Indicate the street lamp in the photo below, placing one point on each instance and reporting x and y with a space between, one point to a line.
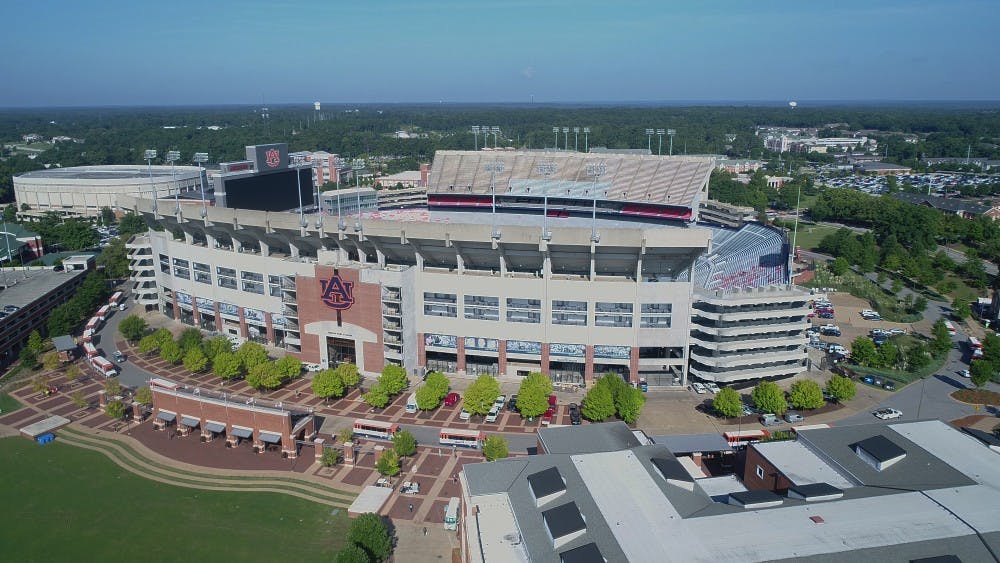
174 156
358 165
595 170
659 134
495 130
201 158
566 140
586 139
149 155
576 139
475 134
493 168
297 160
546 169
649 143
671 133
556 131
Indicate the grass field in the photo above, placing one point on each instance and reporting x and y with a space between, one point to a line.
810 235
8 403
62 503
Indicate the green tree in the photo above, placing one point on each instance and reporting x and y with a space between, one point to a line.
79 399
73 373
439 382
226 365
213 346
768 397
806 394
598 404
29 360
264 376
115 410
920 304
189 339
981 372
40 382
327 383
330 457
863 352
960 309
917 356
376 397
345 434
349 374
112 387
132 328
842 388
144 396
195 360
251 355
352 553
393 379
495 447
171 352
427 398
404 443
533 395
941 341
481 394
840 266
50 360
114 259
10 213
888 355
369 532
629 404
131 224
149 344
107 216
162 336
728 403
35 342
388 463
289 367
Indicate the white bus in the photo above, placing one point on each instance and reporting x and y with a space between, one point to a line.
90 349
116 299
375 429
950 327
411 404
975 343
104 366
103 313
451 514
462 438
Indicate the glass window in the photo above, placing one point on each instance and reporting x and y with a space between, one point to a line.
613 307
228 283
225 271
181 263
577 306
523 316
202 277
182 273
199 267
253 287
440 310
482 313
440 297
517 303
252 276
482 300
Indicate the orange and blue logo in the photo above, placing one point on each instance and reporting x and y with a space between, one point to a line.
337 294
272 158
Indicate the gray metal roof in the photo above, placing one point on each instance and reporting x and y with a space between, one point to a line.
953 205
801 465
64 343
691 443
26 286
592 438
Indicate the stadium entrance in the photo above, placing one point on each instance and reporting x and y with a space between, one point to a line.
340 350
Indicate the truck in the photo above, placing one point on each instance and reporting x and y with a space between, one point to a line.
104 366
769 419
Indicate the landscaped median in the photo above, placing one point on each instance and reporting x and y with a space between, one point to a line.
977 397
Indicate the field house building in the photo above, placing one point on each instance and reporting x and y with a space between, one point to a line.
567 263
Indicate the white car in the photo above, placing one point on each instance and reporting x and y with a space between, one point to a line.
464 415
698 388
500 402
313 367
493 414
888 414
712 387
965 373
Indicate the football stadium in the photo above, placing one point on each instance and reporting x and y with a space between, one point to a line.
572 264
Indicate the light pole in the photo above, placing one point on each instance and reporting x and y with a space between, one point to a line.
297 160
493 168
201 158
595 170
566 139
576 139
337 164
671 133
649 142
556 131
586 139
546 169
149 155
358 165
475 134
173 156
659 134
495 130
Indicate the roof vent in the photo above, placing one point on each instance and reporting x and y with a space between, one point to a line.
817 519
879 452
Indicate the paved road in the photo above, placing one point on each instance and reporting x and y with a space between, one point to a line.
959 257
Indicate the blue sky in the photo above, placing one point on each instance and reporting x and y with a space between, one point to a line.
220 52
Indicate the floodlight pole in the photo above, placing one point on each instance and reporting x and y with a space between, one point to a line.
586 139
475 134
576 139
297 161
340 218
659 134
566 140
199 158
649 142
358 165
546 169
150 154
556 131
173 156
671 133
494 167
495 130
595 170
795 229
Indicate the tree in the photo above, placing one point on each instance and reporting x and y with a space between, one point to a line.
960 309
144 396
79 399
35 342
427 398
349 374
941 342
226 365
768 397
345 434
251 355
29 360
728 403
369 532
439 382
107 216
330 457
376 397
40 382
495 447
352 553
388 463
10 213
840 266
327 383
598 404
888 355
480 396
50 360
981 372
195 360
863 352
917 357
171 352
393 379
149 344
533 395
114 259
162 336
115 410
806 394
112 387
213 346
841 388
132 328
189 339
131 224
629 404
264 376
73 373
404 443
289 367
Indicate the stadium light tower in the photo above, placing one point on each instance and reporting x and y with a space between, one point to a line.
649 143
297 160
566 140
556 131
337 165
201 158
174 156
149 155
671 133
493 168
596 171
586 139
358 165
475 134
659 133
495 130
546 169
576 139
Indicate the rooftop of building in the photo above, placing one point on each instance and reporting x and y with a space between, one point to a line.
26 285
869 165
17 230
947 204
111 172
605 437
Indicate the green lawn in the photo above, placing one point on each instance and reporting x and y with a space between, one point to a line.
63 503
8 403
810 235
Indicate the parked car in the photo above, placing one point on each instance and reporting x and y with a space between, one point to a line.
451 399
410 488
493 414
119 357
888 414
547 417
793 417
826 315
897 331
313 367
553 400
574 414
965 373
698 387
500 401
464 415
889 386
868 379
512 404
768 419
712 387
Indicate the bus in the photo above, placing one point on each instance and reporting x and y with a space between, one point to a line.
802 427
375 429
975 343
103 313
950 327
90 349
104 366
88 335
451 514
157 382
461 438
740 438
116 299
94 323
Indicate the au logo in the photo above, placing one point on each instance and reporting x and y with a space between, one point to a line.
272 158
337 294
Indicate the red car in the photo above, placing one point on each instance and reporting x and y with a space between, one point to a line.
451 399
547 417
552 400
